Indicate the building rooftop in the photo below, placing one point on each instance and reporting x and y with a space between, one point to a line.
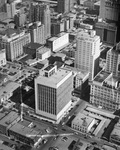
4 147
2 77
33 45
88 34
3 114
9 118
43 50
100 77
26 128
83 120
56 37
116 132
59 55
55 79
80 73
7 88
48 68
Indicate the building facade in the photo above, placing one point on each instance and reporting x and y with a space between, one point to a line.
87 52
13 41
83 123
41 12
105 91
107 32
37 31
110 10
65 6
53 92
113 60
2 57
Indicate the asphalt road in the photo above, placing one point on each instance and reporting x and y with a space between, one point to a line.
64 129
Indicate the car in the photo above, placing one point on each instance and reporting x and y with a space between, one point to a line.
64 139
64 129
44 141
76 133
56 148
51 148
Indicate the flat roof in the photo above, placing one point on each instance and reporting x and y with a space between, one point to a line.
2 77
79 119
56 78
32 45
116 132
58 54
102 113
43 50
56 37
8 87
101 76
81 73
23 128
4 147
9 118
3 114
48 68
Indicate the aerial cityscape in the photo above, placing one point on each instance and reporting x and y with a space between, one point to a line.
59 74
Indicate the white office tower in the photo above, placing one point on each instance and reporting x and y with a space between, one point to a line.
53 92
87 52
113 60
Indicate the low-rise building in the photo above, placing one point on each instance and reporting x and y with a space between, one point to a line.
5 147
31 49
105 91
7 121
7 90
26 132
58 42
43 53
115 135
83 123
2 57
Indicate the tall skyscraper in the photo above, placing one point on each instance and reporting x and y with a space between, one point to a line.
64 6
53 92
113 60
110 10
107 32
41 12
13 41
37 31
11 8
88 52
105 88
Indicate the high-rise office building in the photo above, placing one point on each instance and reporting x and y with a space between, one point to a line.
105 91
11 8
37 31
107 32
110 10
41 12
88 52
65 6
53 92
13 41
105 88
113 60
19 19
